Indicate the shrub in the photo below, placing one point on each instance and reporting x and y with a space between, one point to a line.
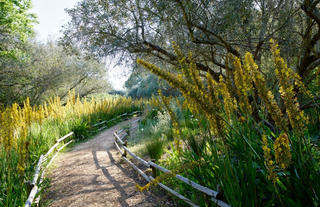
155 148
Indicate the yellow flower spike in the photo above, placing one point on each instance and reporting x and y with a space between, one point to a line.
265 94
165 176
229 105
243 86
286 77
268 160
140 188
199 96
242 119
282 151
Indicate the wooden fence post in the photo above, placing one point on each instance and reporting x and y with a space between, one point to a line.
29 186
154 170
128 132
125 151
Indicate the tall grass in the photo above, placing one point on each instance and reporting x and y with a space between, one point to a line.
155 148
27 132
153 136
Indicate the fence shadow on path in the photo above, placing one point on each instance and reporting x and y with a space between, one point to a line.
128 181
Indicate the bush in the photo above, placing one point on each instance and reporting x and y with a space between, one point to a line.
80 129
155 148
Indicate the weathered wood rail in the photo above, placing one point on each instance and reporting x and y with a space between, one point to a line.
122 148
116 118
34 184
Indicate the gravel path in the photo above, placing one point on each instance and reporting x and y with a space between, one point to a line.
92 174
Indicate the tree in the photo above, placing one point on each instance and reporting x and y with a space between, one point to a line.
49 71
144 86
15 26
210 29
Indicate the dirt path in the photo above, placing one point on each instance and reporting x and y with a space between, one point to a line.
91 175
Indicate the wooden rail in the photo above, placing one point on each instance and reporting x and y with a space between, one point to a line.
35 185
201 188
122 148
118 117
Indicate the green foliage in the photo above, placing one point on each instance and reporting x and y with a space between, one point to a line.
155 148
145 88
80 129
154 135
237 164
152 114
46 71
15 26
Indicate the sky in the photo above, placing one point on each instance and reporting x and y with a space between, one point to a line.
51 17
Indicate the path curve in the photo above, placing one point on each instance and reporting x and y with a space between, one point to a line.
91 175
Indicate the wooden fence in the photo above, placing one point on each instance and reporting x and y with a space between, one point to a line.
124 151
35 184
125 115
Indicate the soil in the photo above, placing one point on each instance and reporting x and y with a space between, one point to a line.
92 174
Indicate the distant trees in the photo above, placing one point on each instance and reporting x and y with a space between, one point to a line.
210 29
142 84
47 70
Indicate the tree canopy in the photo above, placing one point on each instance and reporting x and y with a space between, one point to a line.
209 29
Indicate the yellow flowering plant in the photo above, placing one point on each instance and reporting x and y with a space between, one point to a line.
240 106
